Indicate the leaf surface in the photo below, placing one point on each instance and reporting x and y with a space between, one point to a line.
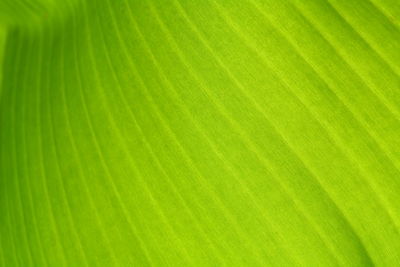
200 133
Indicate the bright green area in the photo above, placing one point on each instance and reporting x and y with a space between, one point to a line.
202 133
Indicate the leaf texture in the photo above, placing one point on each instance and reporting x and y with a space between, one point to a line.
201 133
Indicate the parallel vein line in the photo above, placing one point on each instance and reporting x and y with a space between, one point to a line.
256 50
124 146
150 149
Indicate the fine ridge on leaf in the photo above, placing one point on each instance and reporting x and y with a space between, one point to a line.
32 13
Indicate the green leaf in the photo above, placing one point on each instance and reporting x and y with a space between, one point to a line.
2 41
200 133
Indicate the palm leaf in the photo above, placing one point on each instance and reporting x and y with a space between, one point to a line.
200 133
